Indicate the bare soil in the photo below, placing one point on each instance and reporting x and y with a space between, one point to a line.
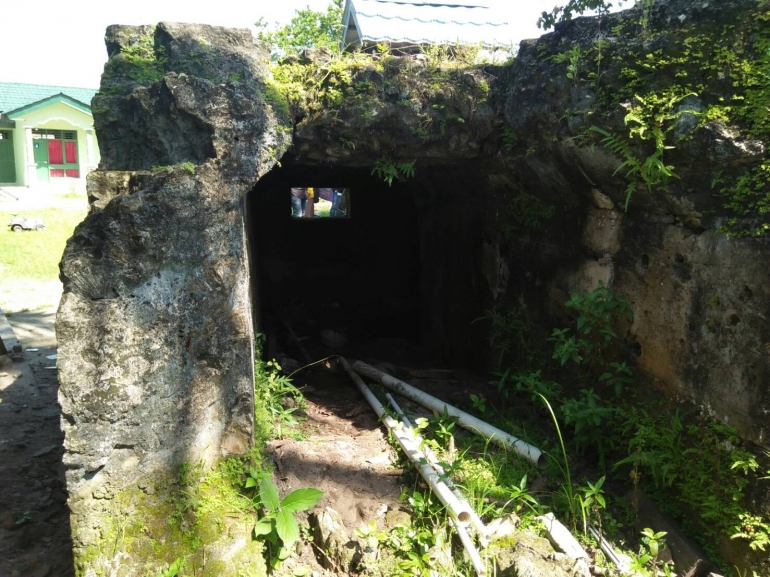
34 519
342 450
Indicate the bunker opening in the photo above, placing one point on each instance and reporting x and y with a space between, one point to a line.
393 263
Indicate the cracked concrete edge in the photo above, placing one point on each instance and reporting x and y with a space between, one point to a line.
9 344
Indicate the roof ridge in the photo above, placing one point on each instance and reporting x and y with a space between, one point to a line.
49 86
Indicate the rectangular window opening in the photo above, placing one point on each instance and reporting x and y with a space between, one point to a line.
320 203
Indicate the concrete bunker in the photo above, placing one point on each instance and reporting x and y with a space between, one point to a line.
156 327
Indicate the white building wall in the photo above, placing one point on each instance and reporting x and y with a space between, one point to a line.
56 116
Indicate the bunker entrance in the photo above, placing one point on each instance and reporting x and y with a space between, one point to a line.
394 264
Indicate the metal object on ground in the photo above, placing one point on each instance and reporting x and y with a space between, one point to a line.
19 223
522 448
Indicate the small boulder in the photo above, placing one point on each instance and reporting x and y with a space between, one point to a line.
330 534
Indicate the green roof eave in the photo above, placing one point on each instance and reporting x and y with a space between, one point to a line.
47 102
6 122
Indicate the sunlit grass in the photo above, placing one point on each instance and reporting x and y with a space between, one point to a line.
35 255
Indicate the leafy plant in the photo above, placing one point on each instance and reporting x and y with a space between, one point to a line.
647 562
753 529
479 402
388 170
598 312
520 495
276 399
572 58
307 29
587 414
277 524
173 569
507 330
561 13
618 378
566 12
592 502
650 119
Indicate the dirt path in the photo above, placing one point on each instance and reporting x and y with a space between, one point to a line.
345 454
34 519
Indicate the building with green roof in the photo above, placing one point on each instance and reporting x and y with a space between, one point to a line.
46 135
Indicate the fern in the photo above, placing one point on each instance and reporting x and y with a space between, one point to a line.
622 149
389 171
652 171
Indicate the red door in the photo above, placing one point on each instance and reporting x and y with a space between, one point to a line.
56 156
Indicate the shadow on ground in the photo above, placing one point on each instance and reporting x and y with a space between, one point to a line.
35 329
34 519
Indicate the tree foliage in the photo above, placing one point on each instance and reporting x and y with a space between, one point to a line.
572 7
308 29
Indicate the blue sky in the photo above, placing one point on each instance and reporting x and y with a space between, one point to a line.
62 43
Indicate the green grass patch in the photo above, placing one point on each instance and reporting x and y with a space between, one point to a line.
35 255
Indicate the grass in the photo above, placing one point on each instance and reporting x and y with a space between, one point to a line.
33 255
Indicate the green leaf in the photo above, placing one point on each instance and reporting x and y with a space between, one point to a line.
601 501
301 499
268 493
287 528
251 482
263 527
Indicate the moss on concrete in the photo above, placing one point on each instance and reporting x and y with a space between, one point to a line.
199 516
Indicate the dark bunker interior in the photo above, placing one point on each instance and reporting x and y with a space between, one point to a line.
403 266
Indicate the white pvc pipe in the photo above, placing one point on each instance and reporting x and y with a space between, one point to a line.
621 561
476 521
457 511
478 562
560 536
522 448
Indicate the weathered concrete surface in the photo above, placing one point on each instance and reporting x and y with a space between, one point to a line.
410 107
155 329
155 326
700 299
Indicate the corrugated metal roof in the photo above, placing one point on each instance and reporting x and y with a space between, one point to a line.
430 21
14 95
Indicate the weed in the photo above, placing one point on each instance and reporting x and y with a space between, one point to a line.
277 524
572 58
479 403
349 144
388 170
173 569
275 399
507 330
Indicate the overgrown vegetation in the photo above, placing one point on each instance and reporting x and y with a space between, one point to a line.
705 73
140 61
307 29
695 467
566 12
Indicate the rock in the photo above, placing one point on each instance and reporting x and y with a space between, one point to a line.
42 571
154 327
532 556
502 527
601 200
45 450
329 534
9 522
